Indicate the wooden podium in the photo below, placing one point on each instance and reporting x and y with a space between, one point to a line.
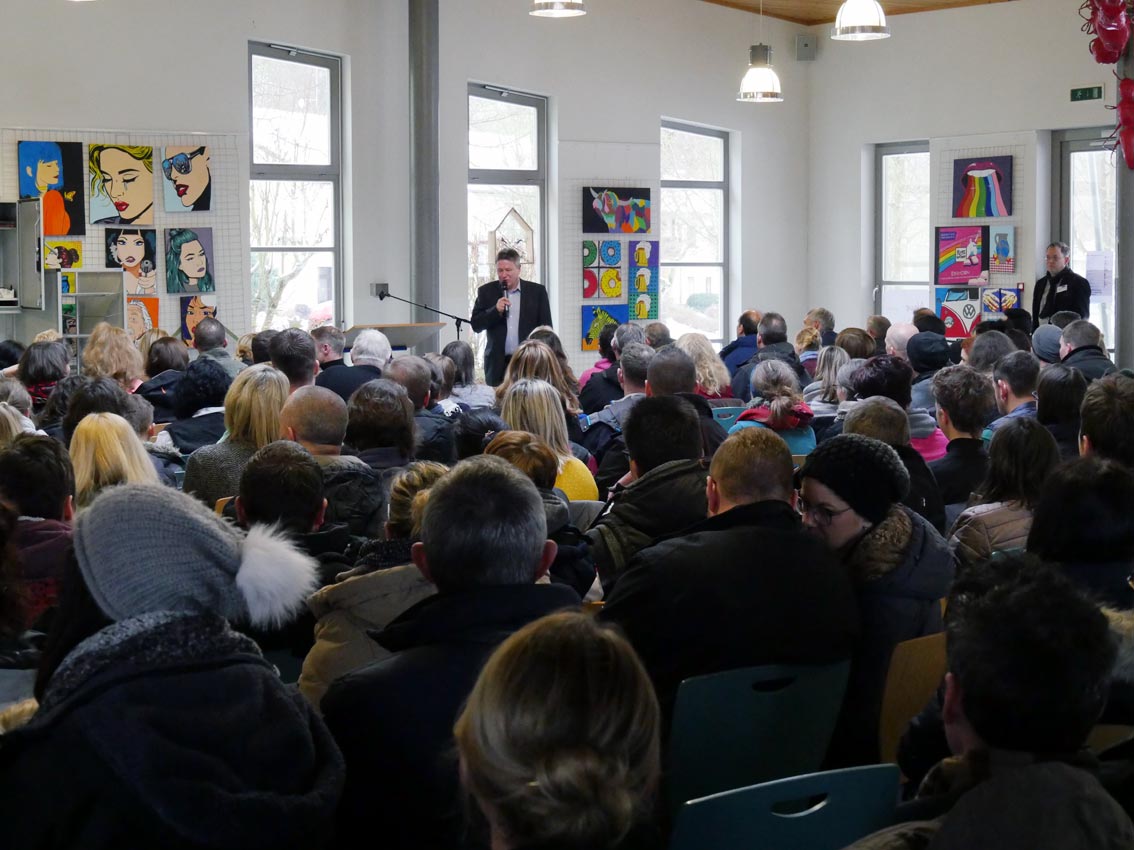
401 336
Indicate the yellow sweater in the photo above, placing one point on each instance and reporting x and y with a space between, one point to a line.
576 481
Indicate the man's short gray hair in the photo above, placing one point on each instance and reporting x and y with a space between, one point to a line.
372 348
635 362
484 525
626 334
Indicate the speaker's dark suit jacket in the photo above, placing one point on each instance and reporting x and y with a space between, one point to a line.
535 310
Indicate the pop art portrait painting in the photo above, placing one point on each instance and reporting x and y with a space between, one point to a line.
193 309
133 250
122 184
53 172
188 184
189 260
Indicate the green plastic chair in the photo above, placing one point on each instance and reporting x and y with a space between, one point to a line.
726 416
852 804
756 724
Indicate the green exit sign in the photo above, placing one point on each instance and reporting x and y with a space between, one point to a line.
1086 93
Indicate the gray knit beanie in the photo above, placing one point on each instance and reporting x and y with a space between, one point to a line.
1045 343
145 547
865 473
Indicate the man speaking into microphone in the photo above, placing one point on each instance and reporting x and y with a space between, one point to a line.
509 309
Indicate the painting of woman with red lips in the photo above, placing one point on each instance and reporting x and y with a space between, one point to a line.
122 184
188 185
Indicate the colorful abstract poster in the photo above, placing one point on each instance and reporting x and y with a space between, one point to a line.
122 184
189 260
997 299
66 282
644 278
1002 246
616 210
598 316
982 188
961 254
188 183
193 308
141 315
53 172
959 308
62 254
602 269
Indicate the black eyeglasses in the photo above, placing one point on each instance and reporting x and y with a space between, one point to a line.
182 162
820 515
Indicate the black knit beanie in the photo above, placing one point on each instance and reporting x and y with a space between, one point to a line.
865 473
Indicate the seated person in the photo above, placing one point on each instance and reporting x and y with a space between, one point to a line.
778 404
602 427
1028 661
293 353
1014 378
382 584
1107 419
503 737
282 486
483 544
198 408
475 430
380 426
964 400
573 564
663 492
316 418
1059 400
794 604
881 418
434 429
166 362
36 479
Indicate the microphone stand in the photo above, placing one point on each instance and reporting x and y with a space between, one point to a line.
382 296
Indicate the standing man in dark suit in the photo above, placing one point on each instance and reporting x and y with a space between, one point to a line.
509 309
1060 288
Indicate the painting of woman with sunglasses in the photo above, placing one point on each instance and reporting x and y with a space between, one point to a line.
188 184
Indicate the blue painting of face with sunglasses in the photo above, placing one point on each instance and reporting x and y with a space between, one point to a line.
188 185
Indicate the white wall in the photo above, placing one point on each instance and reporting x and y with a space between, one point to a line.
612 76
979 70
183 66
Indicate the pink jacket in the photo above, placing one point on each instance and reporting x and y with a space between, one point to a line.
601 366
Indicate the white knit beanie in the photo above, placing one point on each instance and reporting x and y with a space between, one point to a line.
147 547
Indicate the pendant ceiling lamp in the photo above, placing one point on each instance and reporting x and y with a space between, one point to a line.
558 8
860 20
760 84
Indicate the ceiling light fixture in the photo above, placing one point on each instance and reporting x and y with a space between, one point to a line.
558 8
860 20
760 84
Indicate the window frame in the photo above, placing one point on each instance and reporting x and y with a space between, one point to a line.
289 173
881 151
721 185
517 177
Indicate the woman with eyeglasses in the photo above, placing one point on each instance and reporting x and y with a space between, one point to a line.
187 170
850 497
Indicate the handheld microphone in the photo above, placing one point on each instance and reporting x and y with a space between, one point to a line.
504 294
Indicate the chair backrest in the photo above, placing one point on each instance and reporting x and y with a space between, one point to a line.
726 416
751 725
221 503
798 460
916 670
855 803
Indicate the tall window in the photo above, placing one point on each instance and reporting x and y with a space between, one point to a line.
507 189
694 230
295 197
1087 199
902 230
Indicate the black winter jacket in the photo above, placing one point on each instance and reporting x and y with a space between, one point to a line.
169 730
785 351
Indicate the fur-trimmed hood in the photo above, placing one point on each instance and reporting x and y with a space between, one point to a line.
902 555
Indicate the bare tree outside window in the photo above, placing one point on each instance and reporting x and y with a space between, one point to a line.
294 191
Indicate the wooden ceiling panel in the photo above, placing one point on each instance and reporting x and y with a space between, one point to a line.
811 12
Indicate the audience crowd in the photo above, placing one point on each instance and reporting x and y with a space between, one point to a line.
305 594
